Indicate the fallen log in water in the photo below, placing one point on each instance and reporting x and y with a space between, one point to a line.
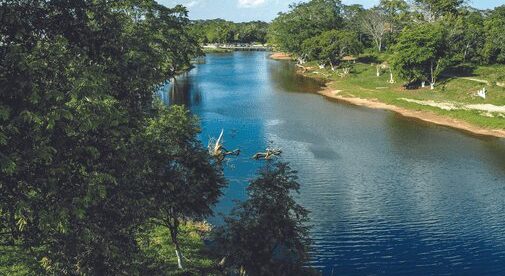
218 151
269 154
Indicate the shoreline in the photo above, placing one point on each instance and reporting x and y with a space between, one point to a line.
280 56
424 116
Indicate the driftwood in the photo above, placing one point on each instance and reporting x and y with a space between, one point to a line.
269 154
218 151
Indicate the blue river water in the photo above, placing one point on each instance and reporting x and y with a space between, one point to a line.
387 195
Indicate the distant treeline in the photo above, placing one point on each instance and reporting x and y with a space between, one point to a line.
222 31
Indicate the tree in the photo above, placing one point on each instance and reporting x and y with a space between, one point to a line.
331 46
78 80
399 17
376 24
421 54
351 14
250 32
466 35
432 10
494 47
268 233
304 20
184 183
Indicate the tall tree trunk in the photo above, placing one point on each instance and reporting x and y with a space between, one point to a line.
432 84
174 231
179 255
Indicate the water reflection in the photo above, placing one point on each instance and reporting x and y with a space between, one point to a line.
282 78
387 195
181 90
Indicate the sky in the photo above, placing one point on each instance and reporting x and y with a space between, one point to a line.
266 10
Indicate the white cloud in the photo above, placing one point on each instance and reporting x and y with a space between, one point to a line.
192 3
250 3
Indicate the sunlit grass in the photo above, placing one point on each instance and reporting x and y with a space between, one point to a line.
364 83
157 246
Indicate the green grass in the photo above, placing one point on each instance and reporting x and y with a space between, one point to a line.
364 83
157 246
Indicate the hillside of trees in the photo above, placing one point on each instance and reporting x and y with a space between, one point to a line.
418 39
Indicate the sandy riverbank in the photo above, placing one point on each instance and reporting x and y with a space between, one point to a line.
421 115
281 56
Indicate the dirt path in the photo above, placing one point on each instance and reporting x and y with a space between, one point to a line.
490 108
476 80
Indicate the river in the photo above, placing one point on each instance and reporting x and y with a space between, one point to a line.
387 195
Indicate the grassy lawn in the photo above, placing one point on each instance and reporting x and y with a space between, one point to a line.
454 88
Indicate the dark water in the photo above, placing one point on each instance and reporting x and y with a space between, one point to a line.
387 195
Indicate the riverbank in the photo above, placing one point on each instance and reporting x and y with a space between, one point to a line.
452 104
281 56
420 115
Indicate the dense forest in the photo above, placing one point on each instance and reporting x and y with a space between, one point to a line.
98 177
223 32
418 39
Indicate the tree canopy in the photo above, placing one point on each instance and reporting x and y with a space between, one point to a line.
268 233
494 46
222 31
420 54
331 46
303 21
419 38
78 129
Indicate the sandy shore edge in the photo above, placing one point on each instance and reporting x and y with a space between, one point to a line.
281 56
421 115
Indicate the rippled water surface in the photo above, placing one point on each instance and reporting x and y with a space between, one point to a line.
387 195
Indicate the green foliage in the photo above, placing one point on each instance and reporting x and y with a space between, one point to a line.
221 31
156 244
494 47
433 10
421 53
471 35
465 36
304 20
182 181
268 233
331 46
79 171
